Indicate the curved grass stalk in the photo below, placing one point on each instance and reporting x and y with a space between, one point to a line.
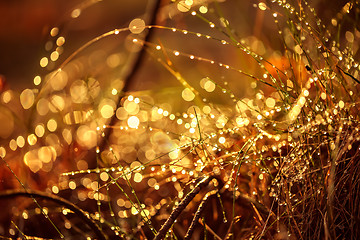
61 201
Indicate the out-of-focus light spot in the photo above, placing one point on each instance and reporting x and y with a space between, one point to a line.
189 2
182 6
120 202
54 56
39 130
137 25
270 102
127 204
121 113
37 80
86 136
72 185
298 49
114 91
203 81
52 125
44 62
160 111
334 22
295 111
221 121
107 111
32 139
207 109
76 13
104 176
60 41
49 45
32 161
59 80
133 122
7 96
302 101
27 98
323 96
67 135
114 60
138 177
203 9
79 91
134 211
94 86
2 152
54 31
131 107
151 182
277 137
7 122
262 6
209 86
46 154
82 165
222 140
55 189
20 141
13 145
341 104
174 154
135 166
259 96
188 95
349 36
57 103
42 107
241 122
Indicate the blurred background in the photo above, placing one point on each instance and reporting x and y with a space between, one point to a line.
25 27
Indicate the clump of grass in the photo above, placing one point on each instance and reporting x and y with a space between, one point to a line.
259 141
